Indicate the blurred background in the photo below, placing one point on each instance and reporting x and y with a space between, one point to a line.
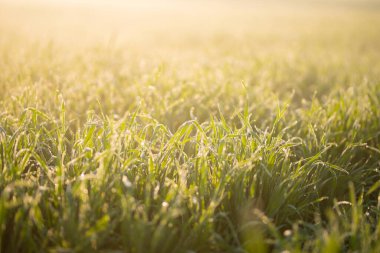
185 54
177 22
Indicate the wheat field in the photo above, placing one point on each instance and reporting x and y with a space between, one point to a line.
189 126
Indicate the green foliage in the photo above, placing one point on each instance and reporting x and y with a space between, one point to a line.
271 152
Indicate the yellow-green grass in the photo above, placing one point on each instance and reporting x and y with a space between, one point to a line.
190 127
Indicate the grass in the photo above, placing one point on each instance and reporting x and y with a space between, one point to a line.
230 138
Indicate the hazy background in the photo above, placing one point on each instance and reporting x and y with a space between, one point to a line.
198 49
175 22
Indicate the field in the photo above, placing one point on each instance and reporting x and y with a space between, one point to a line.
178 126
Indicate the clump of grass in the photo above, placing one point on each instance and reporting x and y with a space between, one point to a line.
234 151
134 184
